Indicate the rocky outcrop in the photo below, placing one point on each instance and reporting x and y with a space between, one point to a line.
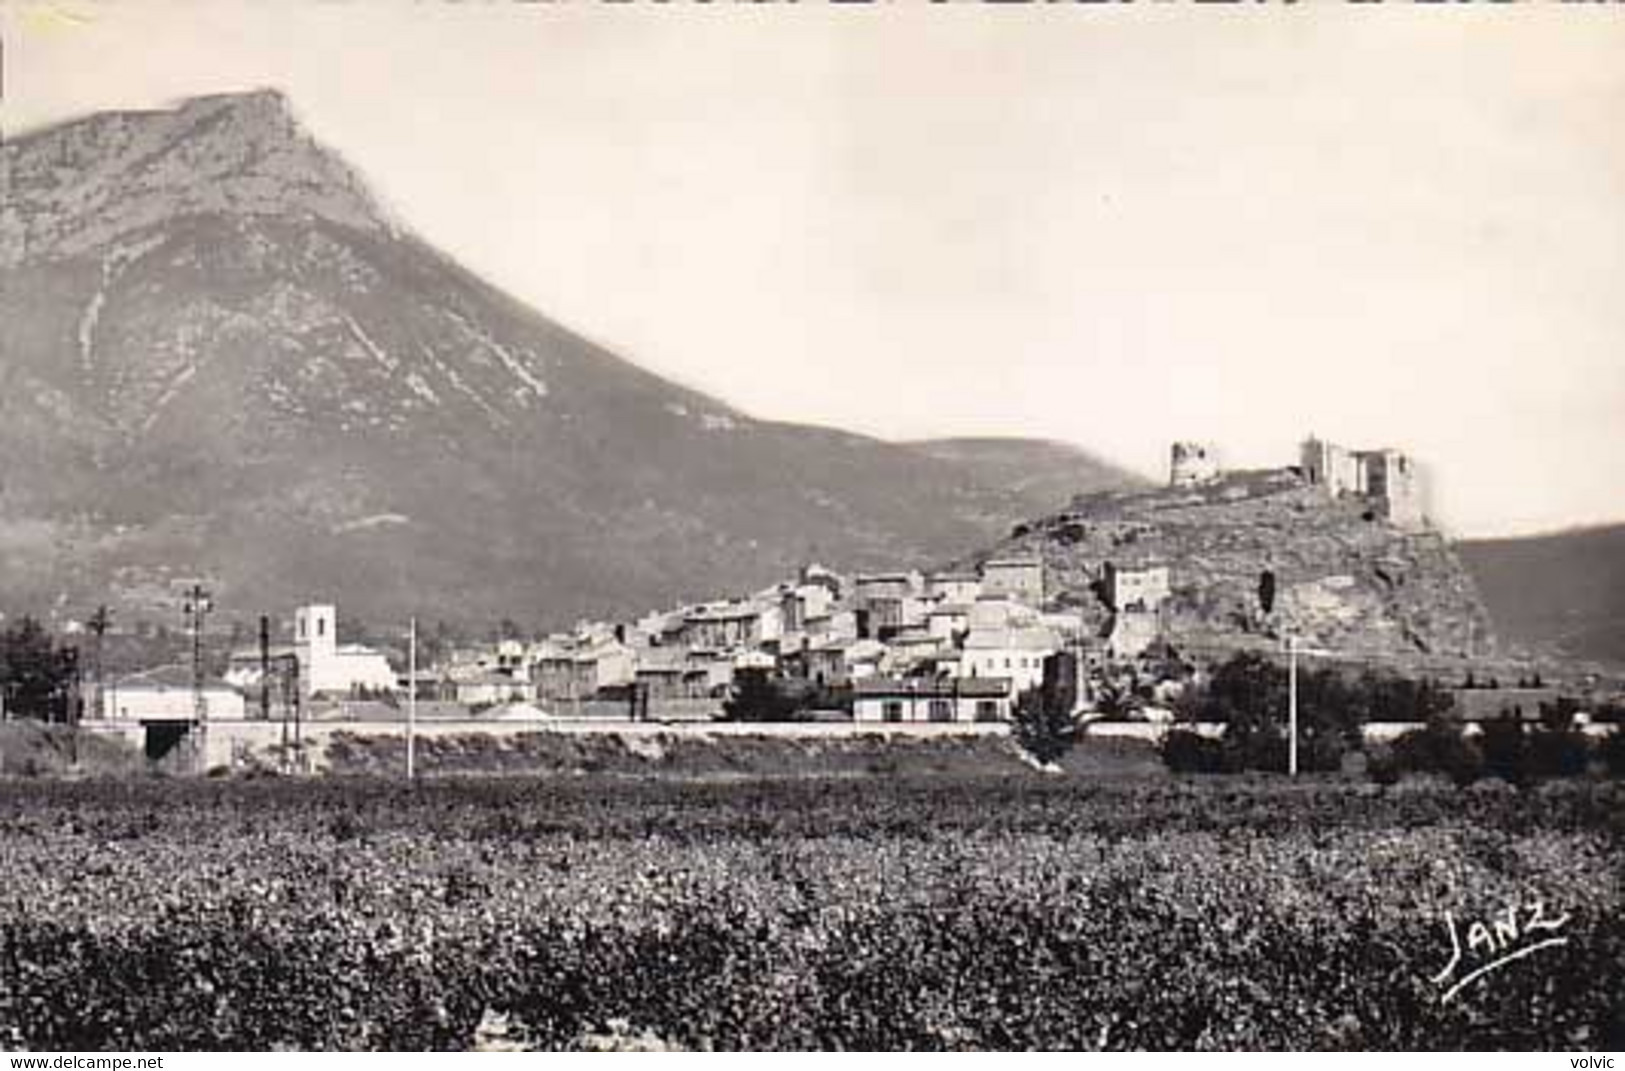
80 187
1345 579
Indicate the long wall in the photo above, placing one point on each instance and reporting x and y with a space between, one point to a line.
229 743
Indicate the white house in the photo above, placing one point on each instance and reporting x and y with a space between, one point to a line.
996 612
953 587
838 661
723 626
1021 579
1141 588
948 620
166 694
491 689
577 667
923 699
1016 654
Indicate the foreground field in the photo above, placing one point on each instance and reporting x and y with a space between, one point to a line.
854 913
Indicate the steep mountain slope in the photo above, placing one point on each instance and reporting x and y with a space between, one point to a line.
1344 580
218 357
1038 469
1562 593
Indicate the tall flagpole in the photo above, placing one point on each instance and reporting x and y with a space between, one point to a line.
411 696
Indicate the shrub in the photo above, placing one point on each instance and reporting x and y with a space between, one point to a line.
1557 753
1248 693
760 697
1505 745
1187 751
1440 747
1381 765
1612 750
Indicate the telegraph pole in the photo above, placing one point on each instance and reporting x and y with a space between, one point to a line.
1293 650
1292 706
265 668
287 685
298 698
411 696
196 609
99 623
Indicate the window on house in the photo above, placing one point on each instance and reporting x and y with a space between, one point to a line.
321 626
891 710
942 710
987 710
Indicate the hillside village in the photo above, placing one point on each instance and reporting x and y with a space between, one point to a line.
954 645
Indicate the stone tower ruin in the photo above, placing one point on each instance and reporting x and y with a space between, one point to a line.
1191 464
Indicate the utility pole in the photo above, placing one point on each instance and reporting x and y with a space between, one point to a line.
265 667
298 699
1293 650
98 624
1292 706
75 700
196 609
411 698
287 685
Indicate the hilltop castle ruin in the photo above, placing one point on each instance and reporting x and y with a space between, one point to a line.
1192 464
1386 479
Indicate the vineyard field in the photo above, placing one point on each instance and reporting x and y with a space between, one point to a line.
999 912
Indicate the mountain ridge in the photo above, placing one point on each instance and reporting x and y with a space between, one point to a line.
220 357
1559 593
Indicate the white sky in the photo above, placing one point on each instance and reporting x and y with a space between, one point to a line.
1116 226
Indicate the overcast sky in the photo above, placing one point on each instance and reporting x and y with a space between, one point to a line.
1115 226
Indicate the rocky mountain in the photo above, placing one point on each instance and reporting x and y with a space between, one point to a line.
1345 579
220 358
1039 469
1561 594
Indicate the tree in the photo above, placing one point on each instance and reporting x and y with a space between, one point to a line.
1266 591
1392 698
1504 742
759 696
1044 725
1557 747
1248 696
437 644
1441 746
37 676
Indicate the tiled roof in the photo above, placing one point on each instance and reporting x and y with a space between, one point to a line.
731 612
933 688
1012 639
168 678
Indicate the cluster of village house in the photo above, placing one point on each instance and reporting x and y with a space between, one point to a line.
908 646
